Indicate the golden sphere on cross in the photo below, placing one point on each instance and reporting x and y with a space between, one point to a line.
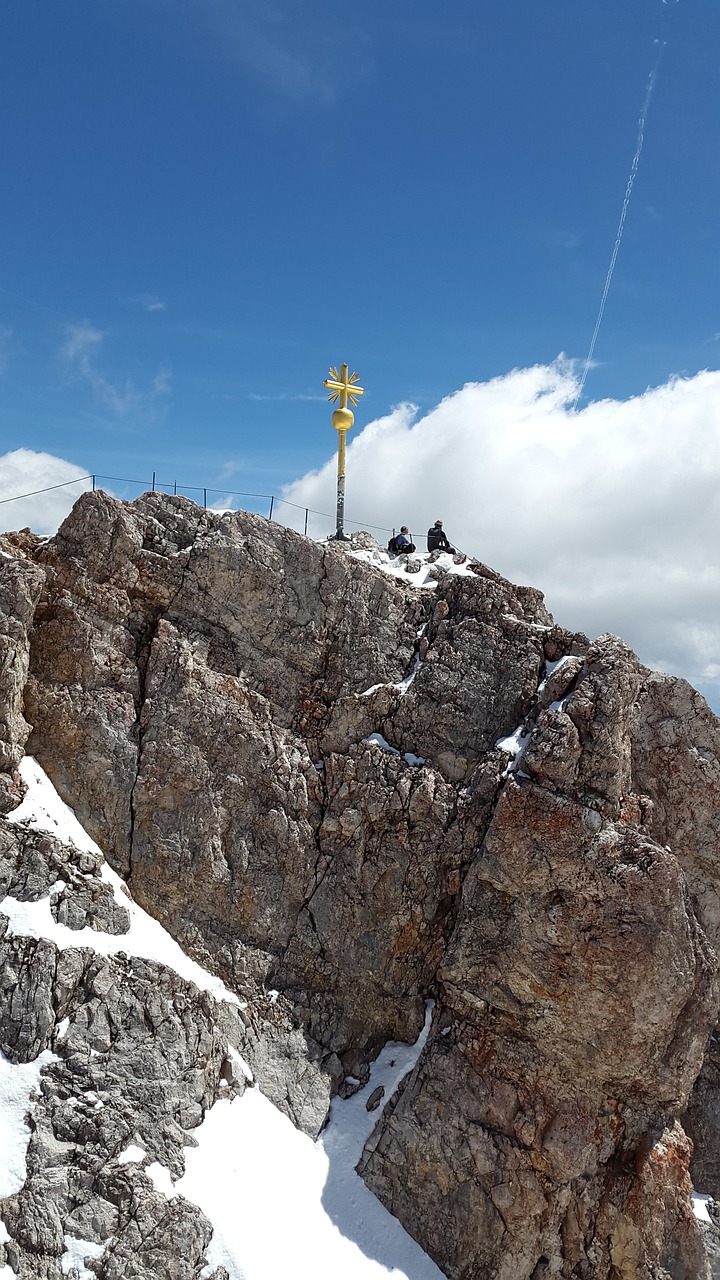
343 387
343 419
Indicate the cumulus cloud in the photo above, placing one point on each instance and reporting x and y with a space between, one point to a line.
612 511
151 303
79 354
24 472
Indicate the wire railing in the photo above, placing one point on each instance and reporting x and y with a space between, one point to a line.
159 486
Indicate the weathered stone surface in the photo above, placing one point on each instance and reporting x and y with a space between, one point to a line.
20 584
702 1123
711 1235
140 1055
578 991
293 758
211 679
676 763
563 1045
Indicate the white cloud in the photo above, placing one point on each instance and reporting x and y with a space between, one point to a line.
79 352
148 301
161 383
296 55
612 511
24 472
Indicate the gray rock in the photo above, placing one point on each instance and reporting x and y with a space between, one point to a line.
140 1056
20 585
207 691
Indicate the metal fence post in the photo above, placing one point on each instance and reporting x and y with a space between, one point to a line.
306 520
272 503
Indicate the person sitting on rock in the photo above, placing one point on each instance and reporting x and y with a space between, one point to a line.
401 545
436 539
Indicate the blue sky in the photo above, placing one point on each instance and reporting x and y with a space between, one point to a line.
207 202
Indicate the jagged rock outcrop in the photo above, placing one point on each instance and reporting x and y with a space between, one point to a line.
577 995
292 759
134 1057
217 675
20 585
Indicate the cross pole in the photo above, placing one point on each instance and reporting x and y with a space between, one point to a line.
342 387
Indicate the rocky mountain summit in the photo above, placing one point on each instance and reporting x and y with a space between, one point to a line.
344 788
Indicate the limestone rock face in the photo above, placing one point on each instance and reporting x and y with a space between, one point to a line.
561 1051
298 763
217 676
20 585
135 1057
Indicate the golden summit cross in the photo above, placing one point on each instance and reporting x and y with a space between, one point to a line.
344 386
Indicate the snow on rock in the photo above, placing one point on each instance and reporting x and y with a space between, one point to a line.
43 810
700 1204
515 745
251 1167
132 1155
428 571
76 1251
18 1081
240 1062
377 740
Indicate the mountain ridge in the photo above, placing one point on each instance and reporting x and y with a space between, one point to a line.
293 759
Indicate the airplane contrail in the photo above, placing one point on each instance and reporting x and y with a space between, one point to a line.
623 215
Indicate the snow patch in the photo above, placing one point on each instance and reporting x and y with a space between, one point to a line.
373 689
241 1063
250 1166
396 568
132 1155
18 1080
43 810
515 746
377 740
161 1179
76 1251
699 1203
250 1160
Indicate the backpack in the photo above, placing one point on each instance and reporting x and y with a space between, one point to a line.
392 546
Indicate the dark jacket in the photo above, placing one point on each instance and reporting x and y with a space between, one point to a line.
400 545
436 540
